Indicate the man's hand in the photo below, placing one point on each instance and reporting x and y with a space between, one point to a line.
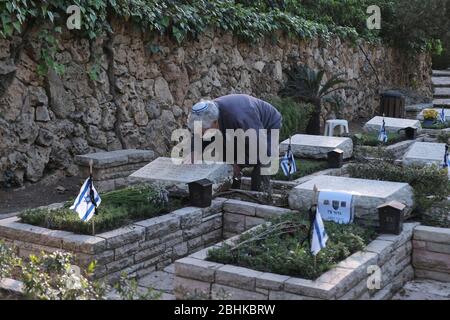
236 171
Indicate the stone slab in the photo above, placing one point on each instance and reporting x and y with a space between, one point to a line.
392 124
418 107
441 73
441 81
171 172
441 103
367 194
442 93
425 153
317 147
114 158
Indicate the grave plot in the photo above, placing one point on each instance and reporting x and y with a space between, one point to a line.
204 275
317 147
170 172
367 195
425 153
438 110
392 124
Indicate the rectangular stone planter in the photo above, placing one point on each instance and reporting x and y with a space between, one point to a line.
388 255
136 249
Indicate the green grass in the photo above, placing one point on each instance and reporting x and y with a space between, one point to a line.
284 254
118 208
371 139
304 167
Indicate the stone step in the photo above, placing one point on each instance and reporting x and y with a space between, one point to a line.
441 73
424 289
439 103
440 82
442 93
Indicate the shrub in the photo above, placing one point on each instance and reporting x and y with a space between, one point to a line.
117 209
430 183
295 115
371 139
278 248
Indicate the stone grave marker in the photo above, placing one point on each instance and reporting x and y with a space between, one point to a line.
391 124
172 173
317 147
367 195
425 153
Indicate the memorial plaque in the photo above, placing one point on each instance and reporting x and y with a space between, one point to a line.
317 147
391 124
425 153
167 172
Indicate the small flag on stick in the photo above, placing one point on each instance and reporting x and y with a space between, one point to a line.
382 136
319 235
442 115
446 163
87 201
288 164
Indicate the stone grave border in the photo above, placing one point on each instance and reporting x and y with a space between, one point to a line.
196 277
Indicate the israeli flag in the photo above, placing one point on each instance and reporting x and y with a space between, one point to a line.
319 235
288 163
442 115
382 136
83 204
446 163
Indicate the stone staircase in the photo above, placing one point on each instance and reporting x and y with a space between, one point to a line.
441 83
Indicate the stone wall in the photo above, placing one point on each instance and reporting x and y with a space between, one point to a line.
198 278
431 253
116 93
136 249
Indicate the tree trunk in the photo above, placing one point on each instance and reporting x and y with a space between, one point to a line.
314 123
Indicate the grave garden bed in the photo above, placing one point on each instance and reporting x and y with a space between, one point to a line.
198 278
118 208
281 247
371 139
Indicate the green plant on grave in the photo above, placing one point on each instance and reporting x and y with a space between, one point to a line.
295 115
371 139
118 208
307 85
278 248
430 183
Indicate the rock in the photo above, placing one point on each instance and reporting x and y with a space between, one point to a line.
60 102
60 189
38 97
45 138
42 114
259 66
162 90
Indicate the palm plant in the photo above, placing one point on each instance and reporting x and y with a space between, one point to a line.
305 84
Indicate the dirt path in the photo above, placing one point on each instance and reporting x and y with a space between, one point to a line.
39 194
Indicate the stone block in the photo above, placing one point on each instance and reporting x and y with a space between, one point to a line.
114 158
150 252
367 194
240 207
432 234
431 274
233 223
271 281
126 250
185 288
391 124
382 248
317 147
237 277
267 212
196 269
223 292
122 236
435 261
251 222
310 288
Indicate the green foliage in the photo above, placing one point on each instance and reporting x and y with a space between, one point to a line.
306 84
305 167
436 125
295 115
430 183
117 209
282 252
54 277
371 139
8 260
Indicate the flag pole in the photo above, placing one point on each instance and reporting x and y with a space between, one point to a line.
91 163
313 217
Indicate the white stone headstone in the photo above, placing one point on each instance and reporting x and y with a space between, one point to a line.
425 153
317 147
367 195
391 124
172 172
